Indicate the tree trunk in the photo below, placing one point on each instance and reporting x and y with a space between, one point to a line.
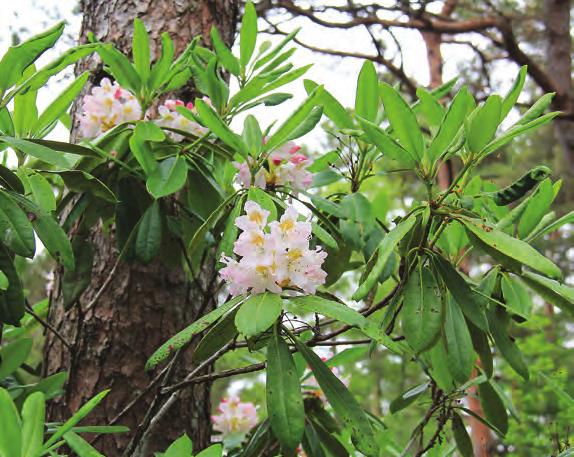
143 304
559 64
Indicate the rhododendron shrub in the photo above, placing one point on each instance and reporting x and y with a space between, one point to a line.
288 251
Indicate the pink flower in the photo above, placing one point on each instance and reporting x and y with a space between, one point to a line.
274 255
169 117
234 417
243 177
106 106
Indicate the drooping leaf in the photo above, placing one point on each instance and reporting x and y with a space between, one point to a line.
459 350
15 227
493 406
149 235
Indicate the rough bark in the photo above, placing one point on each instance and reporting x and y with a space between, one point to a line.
559 65
144 304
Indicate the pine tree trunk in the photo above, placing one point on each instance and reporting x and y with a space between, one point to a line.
559 64
143 304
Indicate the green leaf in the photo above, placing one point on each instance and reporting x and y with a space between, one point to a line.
140 50
283 393
168 177
14 354
403 121
4 282
81 181
213 122
461 437
224 55
145 132
408 397
493 406
20 57
464 295
498 322
387 145
120 68
450 125
422 309
40 189
49 231
15 227
10 180
80 446
160 69
221 333
12 304
459 351
515 296
101 429
431 109
566 219
215 450
258 313
511 97
39 151
558 294
248 33
148 237
332 108
10 426
513 248
252 136
33 415
346 407
384 251
60 105
184 336
284 131
538 205
77 417
483 123
367 96
182 447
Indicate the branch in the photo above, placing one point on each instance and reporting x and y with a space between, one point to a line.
47 326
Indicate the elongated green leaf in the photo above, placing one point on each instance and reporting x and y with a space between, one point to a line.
538 205
49 231
513 248
101 429
498 322
161 68
511 97
120 68
10 181
544 230
60 105
80 446
39 151
422 309
402 120
81 181
459 350
40 189
258 313
384 251
493 406
168 177
20 57
552 291
367 96
10 426
219 128
148 237
15 228
332 108
33 415
84 410
407 397
224 55
248 33
184 336
483 124
284 131
140 50
346 407
463 441
144 133
284 399
450 125
515 296
14 354
221 333
386 144
12 303
466 298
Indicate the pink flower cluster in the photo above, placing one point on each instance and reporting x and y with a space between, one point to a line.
273 256
287 167
105 107
169 117
234 417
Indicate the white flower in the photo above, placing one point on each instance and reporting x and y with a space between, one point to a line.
234 417
169 117
105 107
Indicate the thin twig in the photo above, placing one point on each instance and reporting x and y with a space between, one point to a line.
48 326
